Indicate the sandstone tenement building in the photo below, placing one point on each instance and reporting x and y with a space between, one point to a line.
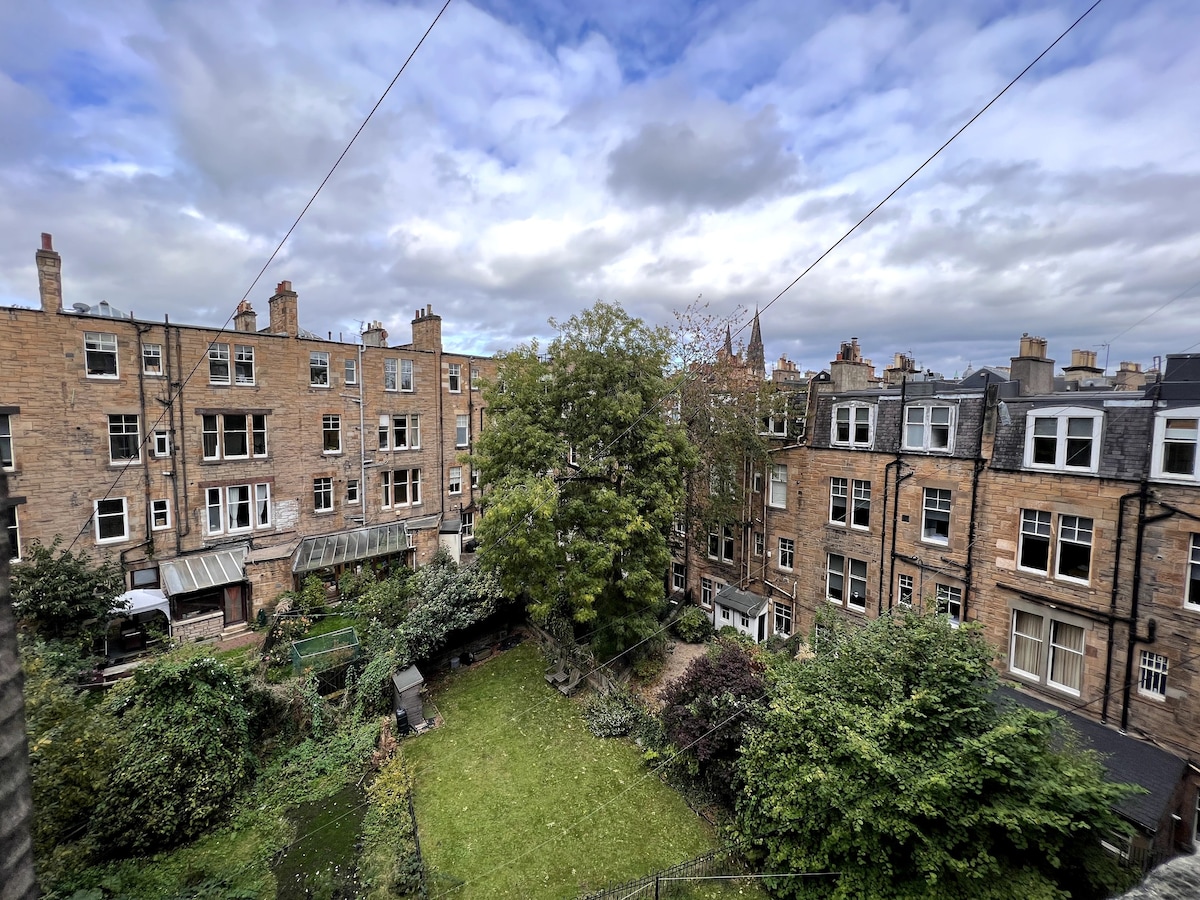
223 465
1060 513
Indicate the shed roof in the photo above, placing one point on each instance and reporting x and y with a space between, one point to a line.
186 574
1127 760
407 678
746 603
349 546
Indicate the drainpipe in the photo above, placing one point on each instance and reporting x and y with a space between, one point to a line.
899 480
362 436
145 442
1116 581
1142 521
977 470
182 450
180 522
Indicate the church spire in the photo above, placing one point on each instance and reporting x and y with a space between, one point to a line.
755 359
728 342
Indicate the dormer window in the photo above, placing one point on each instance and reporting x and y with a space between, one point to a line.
1176 433
853 424
1063 438
929 428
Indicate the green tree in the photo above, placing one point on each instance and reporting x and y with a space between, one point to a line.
63 595
883 758
185 749
584 470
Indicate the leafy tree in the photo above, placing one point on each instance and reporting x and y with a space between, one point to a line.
185 749
63 595
72 752
883 758
584 470
721 404
706 709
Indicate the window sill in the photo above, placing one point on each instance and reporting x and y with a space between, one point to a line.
324 512
321 387
936 542
1078 582
1151 696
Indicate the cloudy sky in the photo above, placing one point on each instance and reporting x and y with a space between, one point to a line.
539 155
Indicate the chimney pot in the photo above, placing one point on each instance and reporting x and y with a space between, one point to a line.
47 241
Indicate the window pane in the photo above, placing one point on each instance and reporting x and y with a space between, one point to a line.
1066 655
1027 643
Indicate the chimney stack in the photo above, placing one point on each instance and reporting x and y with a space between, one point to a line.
285 314
49 266
374 335
1082 367
1032 370
427 330
245 319
850 372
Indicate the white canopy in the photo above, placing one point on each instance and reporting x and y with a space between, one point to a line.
144 600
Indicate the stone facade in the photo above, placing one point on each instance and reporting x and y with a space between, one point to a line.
1062 520
154 441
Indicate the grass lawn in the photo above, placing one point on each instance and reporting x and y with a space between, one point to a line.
515 798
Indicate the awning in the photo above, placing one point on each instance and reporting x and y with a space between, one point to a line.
267 554
349 546
139 601
1127 760
746 603
187 574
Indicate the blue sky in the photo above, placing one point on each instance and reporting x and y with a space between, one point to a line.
538 156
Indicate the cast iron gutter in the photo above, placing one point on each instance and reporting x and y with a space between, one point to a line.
976 471
1108 660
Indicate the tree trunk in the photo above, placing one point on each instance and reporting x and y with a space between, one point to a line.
17 880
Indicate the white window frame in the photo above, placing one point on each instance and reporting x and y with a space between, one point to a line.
860 491
1047 644
1163 436
462 430
318 369
406 375
391 377
161 443
839 501
468 524
243 365
152 352
783 619
218 436
14 531
706 592
454 377
1191 582
352 492
331 426
854 420
1036 525
218 508
777 499
905 590
1152 675
218 363
8 459
1070 534
323 494
474 375
350 371
1063 417
122 434
163 504
104 345
936 506
678 576
946 597
924 415
760 543
454 481
787 551
99 517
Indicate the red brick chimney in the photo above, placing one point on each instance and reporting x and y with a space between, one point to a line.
285 315
49 266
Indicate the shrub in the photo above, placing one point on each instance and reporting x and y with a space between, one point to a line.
614 714
693 626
